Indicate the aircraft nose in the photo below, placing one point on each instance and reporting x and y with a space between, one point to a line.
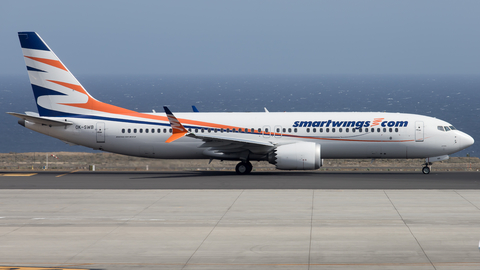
466 140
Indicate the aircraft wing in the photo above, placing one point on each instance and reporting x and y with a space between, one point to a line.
218 143
223 146
40 120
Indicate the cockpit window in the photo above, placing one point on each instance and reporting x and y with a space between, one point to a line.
452 128
447 128
440 128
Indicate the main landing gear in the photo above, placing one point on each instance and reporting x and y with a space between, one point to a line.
244 167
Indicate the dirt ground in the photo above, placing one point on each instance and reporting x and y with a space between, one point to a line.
66 161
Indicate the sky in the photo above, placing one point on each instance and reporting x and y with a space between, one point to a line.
248 37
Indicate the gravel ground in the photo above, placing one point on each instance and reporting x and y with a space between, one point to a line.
115 162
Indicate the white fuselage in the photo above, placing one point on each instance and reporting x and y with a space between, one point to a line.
341 135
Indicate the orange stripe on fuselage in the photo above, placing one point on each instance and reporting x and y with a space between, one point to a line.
95 105
53 63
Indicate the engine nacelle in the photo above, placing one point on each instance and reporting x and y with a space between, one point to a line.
296 156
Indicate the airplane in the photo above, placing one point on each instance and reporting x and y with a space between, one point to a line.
289 140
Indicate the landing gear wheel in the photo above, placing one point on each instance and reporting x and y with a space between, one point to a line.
243 168
425 170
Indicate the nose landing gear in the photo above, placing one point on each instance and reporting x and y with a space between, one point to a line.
427 168
428 163
244 167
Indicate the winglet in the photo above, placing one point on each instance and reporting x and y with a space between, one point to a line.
178 130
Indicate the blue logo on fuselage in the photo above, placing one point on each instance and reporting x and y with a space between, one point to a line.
353 124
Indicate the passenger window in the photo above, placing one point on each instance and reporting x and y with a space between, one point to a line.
340 130
153 130
164 130
390 130
284 130
141 130
396 129
321 130
308 130
278 130
295 130
289 130
209 130
327 130
314 130
134 130
359 130
159 130
196 130
170 130
259 130
129 130
372 130
347 130
123 130
353 130
146 130
378 130
384 129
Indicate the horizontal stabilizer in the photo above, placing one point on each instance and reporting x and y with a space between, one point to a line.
40 120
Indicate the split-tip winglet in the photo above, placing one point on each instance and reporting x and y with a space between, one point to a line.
178 130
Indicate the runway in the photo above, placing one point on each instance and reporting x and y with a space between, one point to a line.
230 180
218 220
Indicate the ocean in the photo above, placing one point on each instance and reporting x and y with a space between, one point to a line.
453 98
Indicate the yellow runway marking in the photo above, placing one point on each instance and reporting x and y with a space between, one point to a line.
17 174
64 175
37 268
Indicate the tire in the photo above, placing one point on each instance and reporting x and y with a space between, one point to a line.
242 168
425 170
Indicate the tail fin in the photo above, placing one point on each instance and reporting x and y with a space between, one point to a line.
57 92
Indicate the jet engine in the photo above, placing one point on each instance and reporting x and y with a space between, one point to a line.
296 156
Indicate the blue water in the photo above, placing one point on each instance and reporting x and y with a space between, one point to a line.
454 99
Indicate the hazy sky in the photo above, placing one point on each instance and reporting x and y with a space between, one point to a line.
248 37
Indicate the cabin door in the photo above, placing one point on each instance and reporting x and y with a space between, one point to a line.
100 132
419 131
